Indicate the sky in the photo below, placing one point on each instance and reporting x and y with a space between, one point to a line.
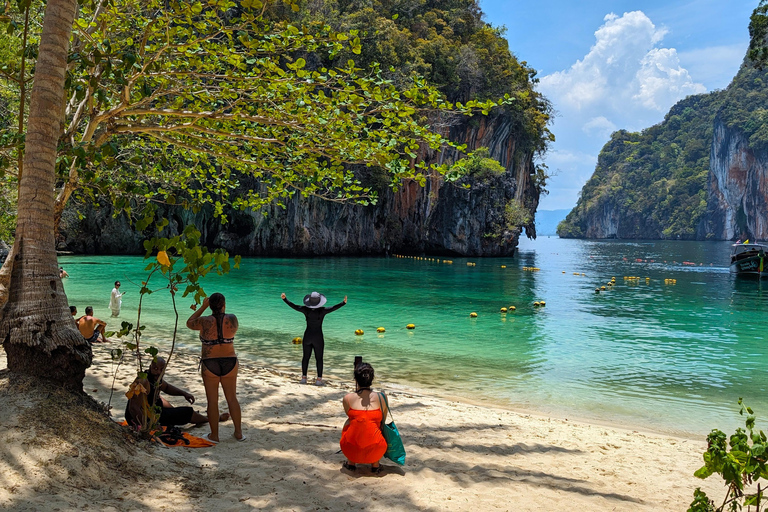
609 65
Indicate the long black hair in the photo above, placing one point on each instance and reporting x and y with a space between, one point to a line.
217 302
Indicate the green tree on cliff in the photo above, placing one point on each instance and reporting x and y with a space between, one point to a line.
175 99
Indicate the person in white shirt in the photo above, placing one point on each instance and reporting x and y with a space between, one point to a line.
116 300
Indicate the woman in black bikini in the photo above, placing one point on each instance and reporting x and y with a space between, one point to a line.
314 312
219 362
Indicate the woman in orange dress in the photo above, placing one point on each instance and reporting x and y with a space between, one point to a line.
361 439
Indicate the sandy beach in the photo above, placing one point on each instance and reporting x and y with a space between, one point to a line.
460 456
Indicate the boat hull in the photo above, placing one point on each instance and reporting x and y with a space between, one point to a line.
750 267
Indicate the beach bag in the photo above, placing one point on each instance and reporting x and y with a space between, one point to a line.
395 449
172 436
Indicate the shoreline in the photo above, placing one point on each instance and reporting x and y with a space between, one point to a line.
410 389
461 456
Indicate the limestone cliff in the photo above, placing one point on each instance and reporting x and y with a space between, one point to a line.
440 218
700 174
737 204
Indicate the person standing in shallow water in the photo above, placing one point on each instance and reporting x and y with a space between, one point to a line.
116 300
314 312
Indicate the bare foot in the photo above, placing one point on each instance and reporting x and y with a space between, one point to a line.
224 417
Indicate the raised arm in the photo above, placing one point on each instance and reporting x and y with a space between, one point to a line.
194 322
337 306
285 299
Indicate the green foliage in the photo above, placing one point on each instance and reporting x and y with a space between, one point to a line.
18 48
741 466
758 32
174 102
447 43
516 215
656 179
179 262
478 165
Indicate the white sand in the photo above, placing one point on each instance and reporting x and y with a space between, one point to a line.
460 457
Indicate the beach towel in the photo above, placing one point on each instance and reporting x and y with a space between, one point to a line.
171 438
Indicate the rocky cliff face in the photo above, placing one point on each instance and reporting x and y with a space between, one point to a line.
737 205
440 218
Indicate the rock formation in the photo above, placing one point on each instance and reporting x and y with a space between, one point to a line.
439 218
737 205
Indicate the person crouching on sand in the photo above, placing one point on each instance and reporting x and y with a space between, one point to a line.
314 312
361 439
219 361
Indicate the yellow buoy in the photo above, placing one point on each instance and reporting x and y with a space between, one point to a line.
602 288
511 308
296 341
503 266
536 304
503 310
473 315
410 326
359 332
380 329
542 303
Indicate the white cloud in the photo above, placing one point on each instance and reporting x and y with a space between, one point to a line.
623 71
627 80
661 81
600 126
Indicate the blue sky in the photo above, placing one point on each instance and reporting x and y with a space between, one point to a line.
607 65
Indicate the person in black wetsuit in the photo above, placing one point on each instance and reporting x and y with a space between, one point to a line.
169 415
314 312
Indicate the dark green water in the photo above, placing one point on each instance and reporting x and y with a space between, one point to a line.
672 357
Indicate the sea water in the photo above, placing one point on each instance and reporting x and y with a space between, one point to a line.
673 356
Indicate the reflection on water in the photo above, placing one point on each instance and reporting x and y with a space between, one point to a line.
672 356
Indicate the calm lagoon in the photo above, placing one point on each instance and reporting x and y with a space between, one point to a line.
646 353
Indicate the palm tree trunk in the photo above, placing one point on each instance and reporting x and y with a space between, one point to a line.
37 331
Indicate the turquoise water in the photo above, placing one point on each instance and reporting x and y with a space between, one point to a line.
670 357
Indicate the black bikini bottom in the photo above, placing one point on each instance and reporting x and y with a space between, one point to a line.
220 366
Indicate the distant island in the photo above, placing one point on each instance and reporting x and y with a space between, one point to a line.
548 220
695 176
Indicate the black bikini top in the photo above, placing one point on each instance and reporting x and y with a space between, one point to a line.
221 340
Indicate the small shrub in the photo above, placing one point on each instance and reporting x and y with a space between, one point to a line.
740 461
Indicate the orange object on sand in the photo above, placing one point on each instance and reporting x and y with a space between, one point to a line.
361 440
194 441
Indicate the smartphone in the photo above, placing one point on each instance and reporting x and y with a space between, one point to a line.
358 361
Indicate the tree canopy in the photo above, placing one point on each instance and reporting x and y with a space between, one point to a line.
171 102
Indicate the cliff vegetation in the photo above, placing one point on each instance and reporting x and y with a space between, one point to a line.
654 184
400 64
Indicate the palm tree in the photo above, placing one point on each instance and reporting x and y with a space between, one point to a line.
37 330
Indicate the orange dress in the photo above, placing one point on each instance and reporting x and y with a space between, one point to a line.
361 440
